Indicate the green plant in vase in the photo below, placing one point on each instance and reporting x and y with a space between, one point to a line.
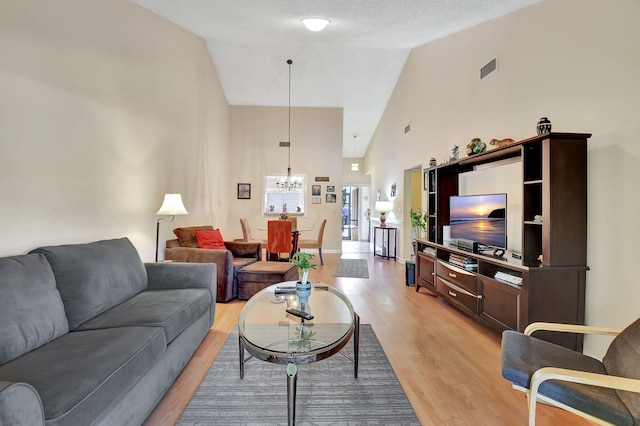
419 222
302 260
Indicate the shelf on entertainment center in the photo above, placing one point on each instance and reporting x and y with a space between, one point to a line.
553 253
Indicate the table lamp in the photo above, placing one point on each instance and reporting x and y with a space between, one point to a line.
171 206
383 207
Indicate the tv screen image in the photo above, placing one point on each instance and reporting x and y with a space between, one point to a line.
480 218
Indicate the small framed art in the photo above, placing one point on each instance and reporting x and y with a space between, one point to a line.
244 191
316 200
315 190
331 188
331 198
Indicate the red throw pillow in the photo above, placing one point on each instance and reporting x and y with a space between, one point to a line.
210 239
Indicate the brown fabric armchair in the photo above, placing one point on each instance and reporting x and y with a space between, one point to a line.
238 254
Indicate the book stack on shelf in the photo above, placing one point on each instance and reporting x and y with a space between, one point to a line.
463 262
508 278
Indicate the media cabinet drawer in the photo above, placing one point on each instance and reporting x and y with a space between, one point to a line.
458 276
458 295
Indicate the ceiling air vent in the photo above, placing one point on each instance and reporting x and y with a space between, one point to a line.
489 68
285 144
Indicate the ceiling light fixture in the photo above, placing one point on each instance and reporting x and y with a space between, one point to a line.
315 24
289 183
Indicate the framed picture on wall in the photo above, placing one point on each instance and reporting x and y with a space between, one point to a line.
316 200
244 191
315 190
331 198
331 188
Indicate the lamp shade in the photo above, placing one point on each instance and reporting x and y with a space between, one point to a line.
172 206
384 206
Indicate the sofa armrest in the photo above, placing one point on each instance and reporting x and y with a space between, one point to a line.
175 275
244 249
172 243
20 404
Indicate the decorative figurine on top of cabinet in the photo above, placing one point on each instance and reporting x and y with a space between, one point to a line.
543 126
433 162
476 146
499 143
455 153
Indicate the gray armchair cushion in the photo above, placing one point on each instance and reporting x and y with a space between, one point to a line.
31 310
623 359
96 276
81 374
523 355
173 310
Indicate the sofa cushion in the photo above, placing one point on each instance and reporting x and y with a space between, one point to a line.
210 239
173 310
82 373
31 309
187 236
96 276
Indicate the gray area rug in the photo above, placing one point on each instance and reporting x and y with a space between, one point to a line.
352 268
328 394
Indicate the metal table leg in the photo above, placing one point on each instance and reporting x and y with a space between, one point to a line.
292 381
356 345
241 347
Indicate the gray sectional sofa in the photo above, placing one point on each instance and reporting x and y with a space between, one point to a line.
90 335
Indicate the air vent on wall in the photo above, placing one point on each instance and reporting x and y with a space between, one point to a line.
489 68
285 144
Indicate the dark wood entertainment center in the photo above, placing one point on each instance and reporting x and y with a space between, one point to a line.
552 268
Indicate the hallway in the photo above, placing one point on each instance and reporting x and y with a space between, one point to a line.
349 246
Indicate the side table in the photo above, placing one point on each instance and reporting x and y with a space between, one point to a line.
386 236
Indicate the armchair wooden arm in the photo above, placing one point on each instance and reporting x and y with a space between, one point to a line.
575 376
569 328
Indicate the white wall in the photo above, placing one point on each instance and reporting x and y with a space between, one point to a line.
574 61
316 151
104 108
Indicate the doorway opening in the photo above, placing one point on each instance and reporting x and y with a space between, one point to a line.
350 212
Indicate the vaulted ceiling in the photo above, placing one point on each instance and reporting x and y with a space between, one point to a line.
353 64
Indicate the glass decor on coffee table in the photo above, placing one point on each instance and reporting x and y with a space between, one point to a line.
272 327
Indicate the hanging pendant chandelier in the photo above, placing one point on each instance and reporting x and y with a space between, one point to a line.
289 183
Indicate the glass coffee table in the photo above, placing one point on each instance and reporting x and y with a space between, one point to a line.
268 332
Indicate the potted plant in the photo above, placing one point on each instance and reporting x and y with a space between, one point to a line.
419 221
302 260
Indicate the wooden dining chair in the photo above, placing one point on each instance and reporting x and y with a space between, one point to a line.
314 244
279 239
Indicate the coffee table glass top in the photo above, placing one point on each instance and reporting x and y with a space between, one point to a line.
265 325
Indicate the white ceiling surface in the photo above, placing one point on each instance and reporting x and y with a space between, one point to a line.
353 64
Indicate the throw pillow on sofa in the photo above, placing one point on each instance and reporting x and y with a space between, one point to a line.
210 239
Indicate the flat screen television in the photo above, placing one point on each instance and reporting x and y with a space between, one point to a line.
480 218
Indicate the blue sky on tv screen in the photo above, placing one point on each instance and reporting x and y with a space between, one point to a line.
476 206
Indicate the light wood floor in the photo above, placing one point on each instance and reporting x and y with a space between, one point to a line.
447 363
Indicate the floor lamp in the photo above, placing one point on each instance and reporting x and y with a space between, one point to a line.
171 206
